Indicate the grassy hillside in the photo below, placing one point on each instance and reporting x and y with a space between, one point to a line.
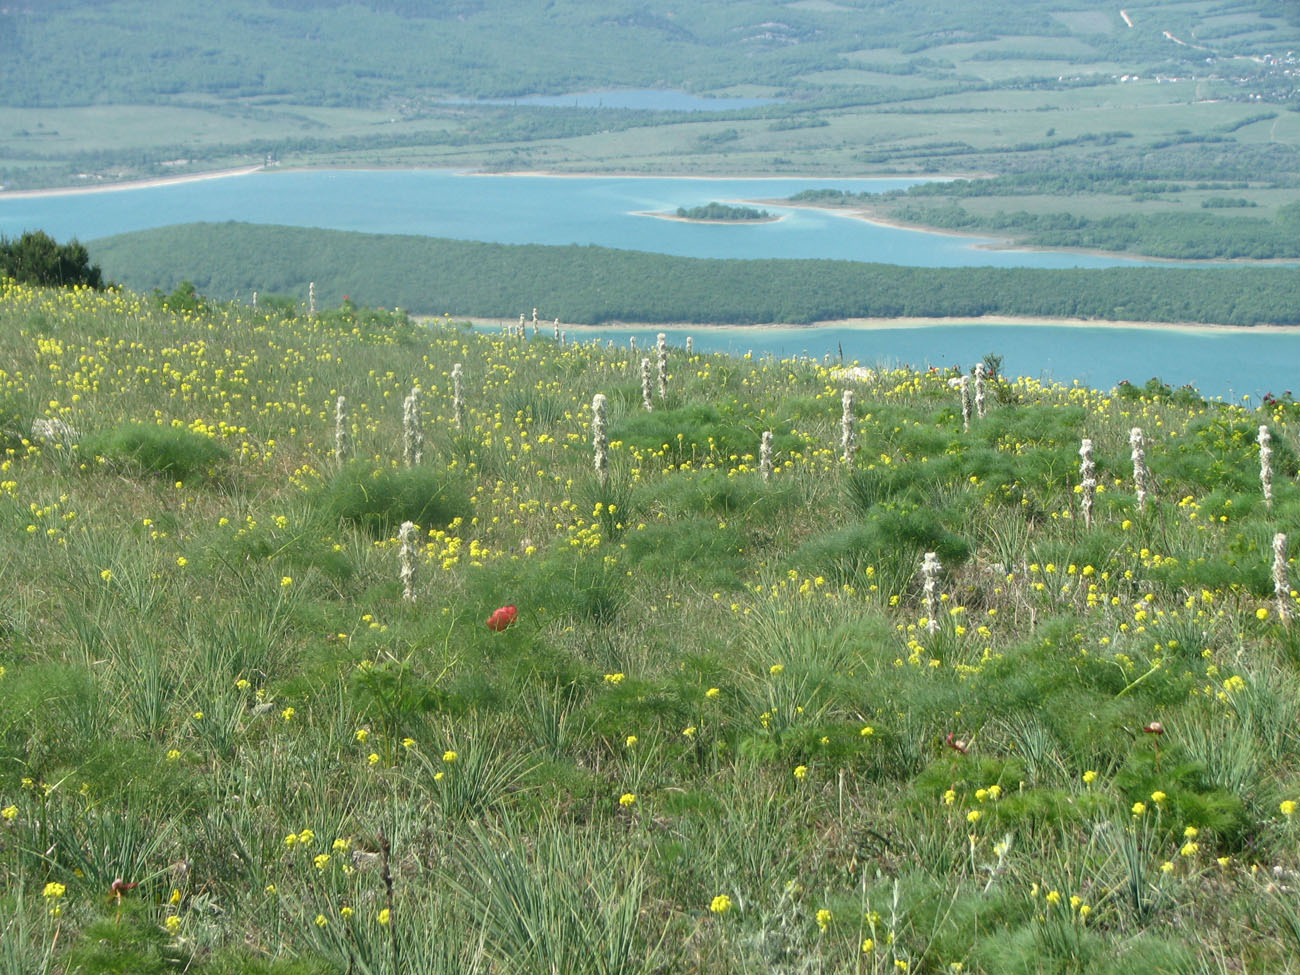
97 92
682 717
595 284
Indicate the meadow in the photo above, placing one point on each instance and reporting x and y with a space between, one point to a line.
700 710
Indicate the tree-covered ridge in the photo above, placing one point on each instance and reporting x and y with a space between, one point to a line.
722 211
128 50
587 284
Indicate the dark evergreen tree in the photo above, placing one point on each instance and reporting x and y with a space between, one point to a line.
37 258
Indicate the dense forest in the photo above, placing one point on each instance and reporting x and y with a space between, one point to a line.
594 284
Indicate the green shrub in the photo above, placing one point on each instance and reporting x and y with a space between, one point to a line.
714 493
378 499
699 431
892 541
695 549
1222 454
143 448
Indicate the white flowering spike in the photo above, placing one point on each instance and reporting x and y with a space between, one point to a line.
458 396
631 342
661 350
406 535
848 435
646 386
930 569
342 440
1141 475
599 436
412 429
557 330
1087 481
979 390
1266 464
534 318
1281 579
563 337
765 456
964 386
520 329
690 346
254 301
311 298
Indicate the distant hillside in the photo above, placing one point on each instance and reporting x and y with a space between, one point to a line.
99 91
327 52
596 284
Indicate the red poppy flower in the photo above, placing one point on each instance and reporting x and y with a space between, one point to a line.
501 618
1154 728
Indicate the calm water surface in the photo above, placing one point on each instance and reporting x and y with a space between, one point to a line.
608 211
1228 363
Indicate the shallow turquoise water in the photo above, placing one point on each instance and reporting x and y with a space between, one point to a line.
608 211
1228 363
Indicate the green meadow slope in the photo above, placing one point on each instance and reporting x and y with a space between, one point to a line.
701 711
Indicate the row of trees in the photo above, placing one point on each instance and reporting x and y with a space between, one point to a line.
586 284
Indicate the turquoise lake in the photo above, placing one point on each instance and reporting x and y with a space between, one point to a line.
1226 363
611 212
608 211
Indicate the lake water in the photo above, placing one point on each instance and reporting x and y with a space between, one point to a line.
609 211
1228 363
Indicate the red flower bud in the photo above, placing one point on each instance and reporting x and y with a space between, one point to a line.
1154 728
501 618
957 744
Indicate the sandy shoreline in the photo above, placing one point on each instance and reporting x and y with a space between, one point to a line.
665 215
875 324
132 184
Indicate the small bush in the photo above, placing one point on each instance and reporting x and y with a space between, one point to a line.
378 500
695 549
713 493
891 541
699 431
143 448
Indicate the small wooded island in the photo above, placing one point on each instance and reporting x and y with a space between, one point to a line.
722 212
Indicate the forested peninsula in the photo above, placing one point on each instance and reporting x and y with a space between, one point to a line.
1177 235
593 285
